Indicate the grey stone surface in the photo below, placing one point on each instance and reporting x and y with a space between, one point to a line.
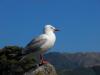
46 69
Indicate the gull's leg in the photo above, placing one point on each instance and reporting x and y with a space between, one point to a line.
42 60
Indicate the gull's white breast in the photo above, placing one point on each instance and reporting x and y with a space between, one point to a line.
51 38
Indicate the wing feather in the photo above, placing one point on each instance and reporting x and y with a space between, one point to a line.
35 44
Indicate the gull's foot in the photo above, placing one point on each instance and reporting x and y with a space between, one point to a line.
43 62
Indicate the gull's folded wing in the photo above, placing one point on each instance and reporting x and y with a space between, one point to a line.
35 44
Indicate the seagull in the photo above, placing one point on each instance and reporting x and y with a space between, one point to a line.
42 43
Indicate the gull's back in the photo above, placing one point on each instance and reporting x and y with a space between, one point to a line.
35 44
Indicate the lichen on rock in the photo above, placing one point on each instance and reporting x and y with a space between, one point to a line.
46 69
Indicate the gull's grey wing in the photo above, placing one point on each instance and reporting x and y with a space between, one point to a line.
34 45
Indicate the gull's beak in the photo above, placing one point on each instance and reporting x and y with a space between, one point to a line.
57 30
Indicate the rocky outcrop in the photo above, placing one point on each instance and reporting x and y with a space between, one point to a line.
46 69
12 62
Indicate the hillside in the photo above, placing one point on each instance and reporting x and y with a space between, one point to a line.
76 63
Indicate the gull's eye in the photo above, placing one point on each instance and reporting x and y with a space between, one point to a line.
51 27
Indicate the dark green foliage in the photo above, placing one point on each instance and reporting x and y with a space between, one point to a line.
9 61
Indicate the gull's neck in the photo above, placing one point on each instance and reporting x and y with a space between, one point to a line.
51 35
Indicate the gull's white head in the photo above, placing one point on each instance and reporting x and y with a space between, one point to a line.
50 28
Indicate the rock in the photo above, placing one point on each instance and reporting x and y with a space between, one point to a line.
12 62
46 69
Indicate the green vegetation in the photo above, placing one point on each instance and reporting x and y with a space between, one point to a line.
9 61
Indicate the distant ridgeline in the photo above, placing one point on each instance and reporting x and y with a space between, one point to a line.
75 63
9 61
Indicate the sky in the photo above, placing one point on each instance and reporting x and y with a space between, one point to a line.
78 21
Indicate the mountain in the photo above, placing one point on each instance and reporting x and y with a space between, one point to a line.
60 61
75 63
